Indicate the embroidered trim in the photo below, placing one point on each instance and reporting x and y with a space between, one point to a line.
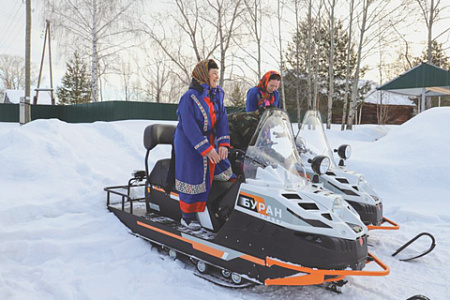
205 115
223 137
193 189
207 150
200 144
224 176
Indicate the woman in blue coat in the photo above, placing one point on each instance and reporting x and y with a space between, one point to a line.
201 141
265 93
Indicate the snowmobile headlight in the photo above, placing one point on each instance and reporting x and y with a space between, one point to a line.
344 151
355 228
320 164
337 206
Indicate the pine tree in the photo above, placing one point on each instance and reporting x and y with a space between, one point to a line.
237 96
76 83
438 56
340 52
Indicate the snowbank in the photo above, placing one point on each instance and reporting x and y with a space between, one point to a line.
58 240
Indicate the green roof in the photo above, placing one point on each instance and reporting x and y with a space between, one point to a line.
435 80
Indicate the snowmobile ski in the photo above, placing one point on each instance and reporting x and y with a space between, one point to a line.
433 244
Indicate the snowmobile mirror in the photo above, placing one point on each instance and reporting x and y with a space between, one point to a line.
320 165
344 152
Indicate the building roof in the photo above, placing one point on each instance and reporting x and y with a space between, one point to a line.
13 96
435 81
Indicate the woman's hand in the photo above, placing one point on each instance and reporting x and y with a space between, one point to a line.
213 156
223 152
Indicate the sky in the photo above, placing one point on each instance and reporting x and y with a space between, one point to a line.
58 240
12 33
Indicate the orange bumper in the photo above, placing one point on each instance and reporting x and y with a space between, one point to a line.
394 226
312 276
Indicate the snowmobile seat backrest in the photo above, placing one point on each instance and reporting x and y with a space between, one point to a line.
156 134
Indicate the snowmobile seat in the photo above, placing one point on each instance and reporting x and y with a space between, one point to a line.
154 135
159 173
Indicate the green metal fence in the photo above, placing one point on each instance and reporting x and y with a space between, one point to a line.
99 111
91 112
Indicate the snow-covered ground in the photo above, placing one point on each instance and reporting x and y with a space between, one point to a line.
58 240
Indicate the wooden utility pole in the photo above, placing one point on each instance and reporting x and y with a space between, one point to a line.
25 111
39 89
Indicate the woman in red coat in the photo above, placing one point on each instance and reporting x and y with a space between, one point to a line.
201 141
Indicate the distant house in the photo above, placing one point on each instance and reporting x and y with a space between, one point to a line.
381 107
13 96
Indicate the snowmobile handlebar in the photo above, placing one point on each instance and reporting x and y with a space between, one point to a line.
311 276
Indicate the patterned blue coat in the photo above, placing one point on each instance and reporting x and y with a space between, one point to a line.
194 138
253 97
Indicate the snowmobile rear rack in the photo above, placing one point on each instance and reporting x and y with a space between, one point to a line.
138 176
433 244
394 226
318 276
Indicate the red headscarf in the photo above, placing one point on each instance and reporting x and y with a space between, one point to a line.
266 98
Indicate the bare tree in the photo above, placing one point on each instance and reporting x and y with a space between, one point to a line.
309 55
351 114
317 63
430 10
93 24
12 72
332 4
347 76
297 60
156 74
280 44
253 19
227 13
373 13
182 35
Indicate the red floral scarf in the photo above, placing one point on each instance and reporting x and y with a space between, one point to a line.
266 98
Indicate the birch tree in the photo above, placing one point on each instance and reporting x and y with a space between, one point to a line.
372 13
430 11
309 55
280 44
225 24
100 26
253 23
347 76
332 4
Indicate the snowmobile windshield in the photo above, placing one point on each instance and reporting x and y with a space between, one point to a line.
271 157
312 139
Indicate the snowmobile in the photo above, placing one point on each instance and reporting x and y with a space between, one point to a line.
312 142
271 226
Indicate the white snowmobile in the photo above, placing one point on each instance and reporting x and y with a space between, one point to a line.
311 142
271 226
